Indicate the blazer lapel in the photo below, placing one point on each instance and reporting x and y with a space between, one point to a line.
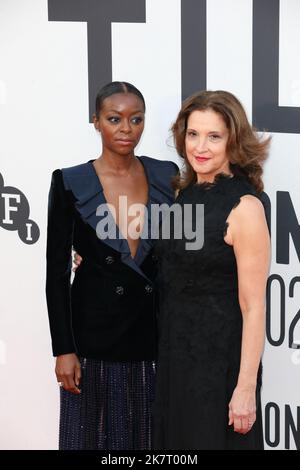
160 192
85 185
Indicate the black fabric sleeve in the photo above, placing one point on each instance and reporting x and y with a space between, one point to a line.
59 264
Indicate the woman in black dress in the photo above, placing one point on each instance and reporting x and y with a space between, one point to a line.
212 300
103 326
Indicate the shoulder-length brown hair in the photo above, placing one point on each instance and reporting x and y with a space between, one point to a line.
246 151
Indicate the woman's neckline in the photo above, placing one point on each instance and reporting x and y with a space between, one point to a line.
219 177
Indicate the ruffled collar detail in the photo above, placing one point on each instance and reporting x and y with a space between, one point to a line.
83 181
219 179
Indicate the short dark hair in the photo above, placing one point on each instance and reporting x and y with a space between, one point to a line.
116 87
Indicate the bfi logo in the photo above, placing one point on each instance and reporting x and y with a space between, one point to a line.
14 214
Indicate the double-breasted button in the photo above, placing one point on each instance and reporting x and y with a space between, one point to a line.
109 260
120 290
148 289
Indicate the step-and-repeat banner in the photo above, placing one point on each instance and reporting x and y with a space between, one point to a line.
54 55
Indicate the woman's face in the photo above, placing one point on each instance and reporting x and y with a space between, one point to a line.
121 123
205 144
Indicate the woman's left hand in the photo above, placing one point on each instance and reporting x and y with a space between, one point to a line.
77 260
242 409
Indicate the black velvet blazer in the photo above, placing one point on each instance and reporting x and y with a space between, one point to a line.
109 310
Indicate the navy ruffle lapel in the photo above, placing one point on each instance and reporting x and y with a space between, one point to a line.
85 185
159 175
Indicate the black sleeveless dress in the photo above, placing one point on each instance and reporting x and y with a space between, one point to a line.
200 330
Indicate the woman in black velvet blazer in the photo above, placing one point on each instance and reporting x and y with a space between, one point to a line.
103 325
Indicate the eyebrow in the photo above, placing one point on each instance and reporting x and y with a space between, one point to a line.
120 112
210 132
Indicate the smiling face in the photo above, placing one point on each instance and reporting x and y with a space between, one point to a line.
206 144
121 123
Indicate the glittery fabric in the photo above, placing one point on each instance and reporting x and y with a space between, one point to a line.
113 411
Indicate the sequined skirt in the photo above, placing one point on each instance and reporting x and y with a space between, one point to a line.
113 411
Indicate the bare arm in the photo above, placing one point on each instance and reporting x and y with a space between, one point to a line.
248 233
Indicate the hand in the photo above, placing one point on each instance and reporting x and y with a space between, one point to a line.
77 260
68 372
242 409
